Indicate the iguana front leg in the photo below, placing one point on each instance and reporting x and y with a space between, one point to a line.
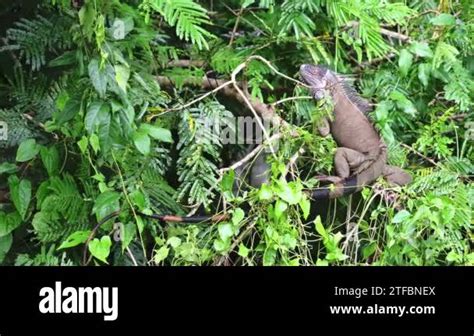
323 127
348 161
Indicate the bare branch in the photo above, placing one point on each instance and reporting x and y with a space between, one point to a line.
183 63
250 155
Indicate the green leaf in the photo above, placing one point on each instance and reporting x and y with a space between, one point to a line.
98 77
27 150
424 71
122 74
9 222
227 183
95 114
237 216
100 248
138 199
69 111
20 193
77 238
106 203
444 19
405 61
305 206
403 102
247 3
421 49
269 257
174 242
265 193
289 192
320 228
95 144
8 168
83 143
243 251
161 254
50 158
369 250
5 245
142 142
321 262
157 133
225 231
128 234
280 208
220 245
400 216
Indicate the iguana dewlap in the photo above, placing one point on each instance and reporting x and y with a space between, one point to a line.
362 155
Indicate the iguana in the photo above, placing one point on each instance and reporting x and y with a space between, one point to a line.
359 161
362 155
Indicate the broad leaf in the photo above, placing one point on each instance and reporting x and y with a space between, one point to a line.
106 203
101 248
27 150
444 19
122 74
8 168
157 133
405 61
20 191
50 158
142 142
69 111
421 49
95 114
78 237
9 222
98 77
5 245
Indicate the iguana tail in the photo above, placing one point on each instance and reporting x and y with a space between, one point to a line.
346 187
191 219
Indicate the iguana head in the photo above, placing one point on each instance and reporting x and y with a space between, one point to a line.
317 77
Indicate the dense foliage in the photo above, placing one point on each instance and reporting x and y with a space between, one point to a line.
103 110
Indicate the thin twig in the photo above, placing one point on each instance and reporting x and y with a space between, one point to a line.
236 25
250 155
281 101
131 256
420 155
124 189
183 63
237 241
383 31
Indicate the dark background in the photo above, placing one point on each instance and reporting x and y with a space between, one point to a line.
231 300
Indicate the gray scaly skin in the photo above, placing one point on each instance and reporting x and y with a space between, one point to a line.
362 155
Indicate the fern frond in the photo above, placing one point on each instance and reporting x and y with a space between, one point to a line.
17 129
199 147
35 37
62 210
187 16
